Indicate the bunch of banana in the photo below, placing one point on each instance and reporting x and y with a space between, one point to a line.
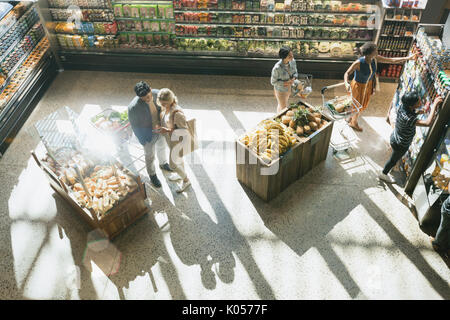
269 140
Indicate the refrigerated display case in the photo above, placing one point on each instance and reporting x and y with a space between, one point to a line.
223 36
432 189
27 66
429 75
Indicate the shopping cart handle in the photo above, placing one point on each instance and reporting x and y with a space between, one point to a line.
332 86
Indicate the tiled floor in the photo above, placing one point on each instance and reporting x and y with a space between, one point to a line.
335 234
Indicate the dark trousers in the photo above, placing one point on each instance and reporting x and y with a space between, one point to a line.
442 239
397 154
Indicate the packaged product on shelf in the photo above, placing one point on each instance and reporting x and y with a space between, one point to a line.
152 11
126 9
149 39
118 12
135 11
157 38
138 26
132 38
146 26
336 49
155 26
326 33
324 47
317 33
140 39
343 34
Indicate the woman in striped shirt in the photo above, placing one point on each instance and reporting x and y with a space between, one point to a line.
405 129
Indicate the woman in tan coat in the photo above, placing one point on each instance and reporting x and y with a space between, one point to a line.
173 118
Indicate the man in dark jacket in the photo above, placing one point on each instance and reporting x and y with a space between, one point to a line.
144 116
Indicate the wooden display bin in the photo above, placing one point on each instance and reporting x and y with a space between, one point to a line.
122 215
299 160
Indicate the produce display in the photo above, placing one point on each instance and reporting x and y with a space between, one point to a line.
95 186
302 120
23 71
263 140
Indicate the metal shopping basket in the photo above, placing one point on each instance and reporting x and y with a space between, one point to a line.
302 86
342 106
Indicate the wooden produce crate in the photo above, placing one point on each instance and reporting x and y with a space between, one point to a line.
300 159
122 215
254 173
315 147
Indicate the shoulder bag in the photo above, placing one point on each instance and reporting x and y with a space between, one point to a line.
191 124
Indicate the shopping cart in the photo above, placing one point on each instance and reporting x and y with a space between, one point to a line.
339 108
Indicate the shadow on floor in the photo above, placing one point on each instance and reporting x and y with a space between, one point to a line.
301 231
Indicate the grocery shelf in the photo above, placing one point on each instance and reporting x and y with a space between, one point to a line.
16 42
18 64
96 21
85 33
80 7
23 101
395 36
270 12
400 20
146 32
266 39
394 50
141 2
18 20
143 19
271 25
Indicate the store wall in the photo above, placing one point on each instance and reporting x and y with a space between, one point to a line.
434 11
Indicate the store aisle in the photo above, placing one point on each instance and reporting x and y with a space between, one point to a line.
335 234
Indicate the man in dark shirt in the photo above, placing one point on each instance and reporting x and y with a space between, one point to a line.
144 116
405 130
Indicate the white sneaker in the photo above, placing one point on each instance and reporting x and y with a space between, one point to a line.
174 177
184 186
386 178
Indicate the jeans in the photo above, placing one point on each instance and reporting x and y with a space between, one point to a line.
442 239
176 163
397 154
159 143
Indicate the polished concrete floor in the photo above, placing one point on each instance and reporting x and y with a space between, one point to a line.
337 233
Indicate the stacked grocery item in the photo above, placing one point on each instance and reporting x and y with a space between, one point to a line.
270 5
85 42
142 25
11 58
303 120
23 71
17 30
99 187
84 4
270 140
99 28
88 15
